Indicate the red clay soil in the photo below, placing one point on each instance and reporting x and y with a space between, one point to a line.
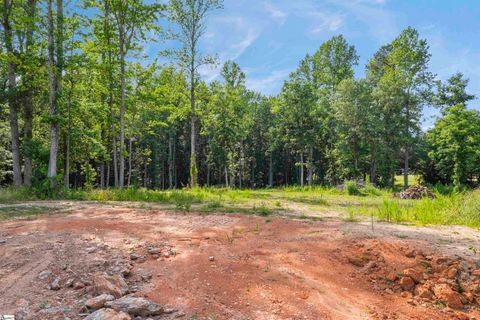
221 267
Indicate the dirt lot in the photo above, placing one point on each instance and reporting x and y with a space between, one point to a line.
236 266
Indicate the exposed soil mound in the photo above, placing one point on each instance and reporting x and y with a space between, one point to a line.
450 284
415 192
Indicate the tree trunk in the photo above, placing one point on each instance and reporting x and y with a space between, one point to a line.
122 108
110 96
28 108
107 178
193 158
55 74
310 167
405 168
12 100
301 169
102 174
270 171
226 177
130 161
170 162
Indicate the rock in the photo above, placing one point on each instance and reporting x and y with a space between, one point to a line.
476 273
91 250
414 274
410 253
452 272
154 250
172 251
113 285
134 256
211 258
69 283
146 276
108 314
136 306
356 261
44 274
78 285
448 296
407 283
2 241
99 301
392 276
423 292
55 285
389 291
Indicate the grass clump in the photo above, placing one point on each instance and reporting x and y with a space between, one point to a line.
352 189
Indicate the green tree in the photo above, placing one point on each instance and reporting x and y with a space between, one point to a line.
455 145
191 17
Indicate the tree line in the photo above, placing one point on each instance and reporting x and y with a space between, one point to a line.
81 107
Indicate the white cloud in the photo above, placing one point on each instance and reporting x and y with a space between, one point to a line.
269 84
275 13
324 21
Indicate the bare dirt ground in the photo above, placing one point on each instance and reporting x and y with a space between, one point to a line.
235 266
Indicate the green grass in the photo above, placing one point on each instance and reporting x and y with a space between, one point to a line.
412 180
352 203
12 212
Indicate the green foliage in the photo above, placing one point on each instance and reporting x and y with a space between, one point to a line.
455 146
351 188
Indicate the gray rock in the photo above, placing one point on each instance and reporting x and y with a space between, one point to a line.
55 285
91 250
211 258
153 250
44 274
108 314
136 306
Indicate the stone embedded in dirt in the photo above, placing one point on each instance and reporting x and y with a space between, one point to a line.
108 314
2 241
90 250
407 283
414 274
55 285
356 261
78 285
211 258
69 282
113 285
392 276
44 274
476 273
134 256
146 276
136 306
410 253
423 292
452 272
154 250
99 301
448 296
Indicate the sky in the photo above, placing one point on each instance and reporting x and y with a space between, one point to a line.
267 38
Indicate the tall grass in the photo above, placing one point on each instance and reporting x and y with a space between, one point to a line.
455 208
450 207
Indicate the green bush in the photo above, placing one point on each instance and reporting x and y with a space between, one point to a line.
352 189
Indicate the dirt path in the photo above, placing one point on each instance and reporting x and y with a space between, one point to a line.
221 266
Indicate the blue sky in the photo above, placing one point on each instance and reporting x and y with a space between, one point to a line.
267 38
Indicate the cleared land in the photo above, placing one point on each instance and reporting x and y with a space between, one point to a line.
307 259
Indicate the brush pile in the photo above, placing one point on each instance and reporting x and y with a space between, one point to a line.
415 192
